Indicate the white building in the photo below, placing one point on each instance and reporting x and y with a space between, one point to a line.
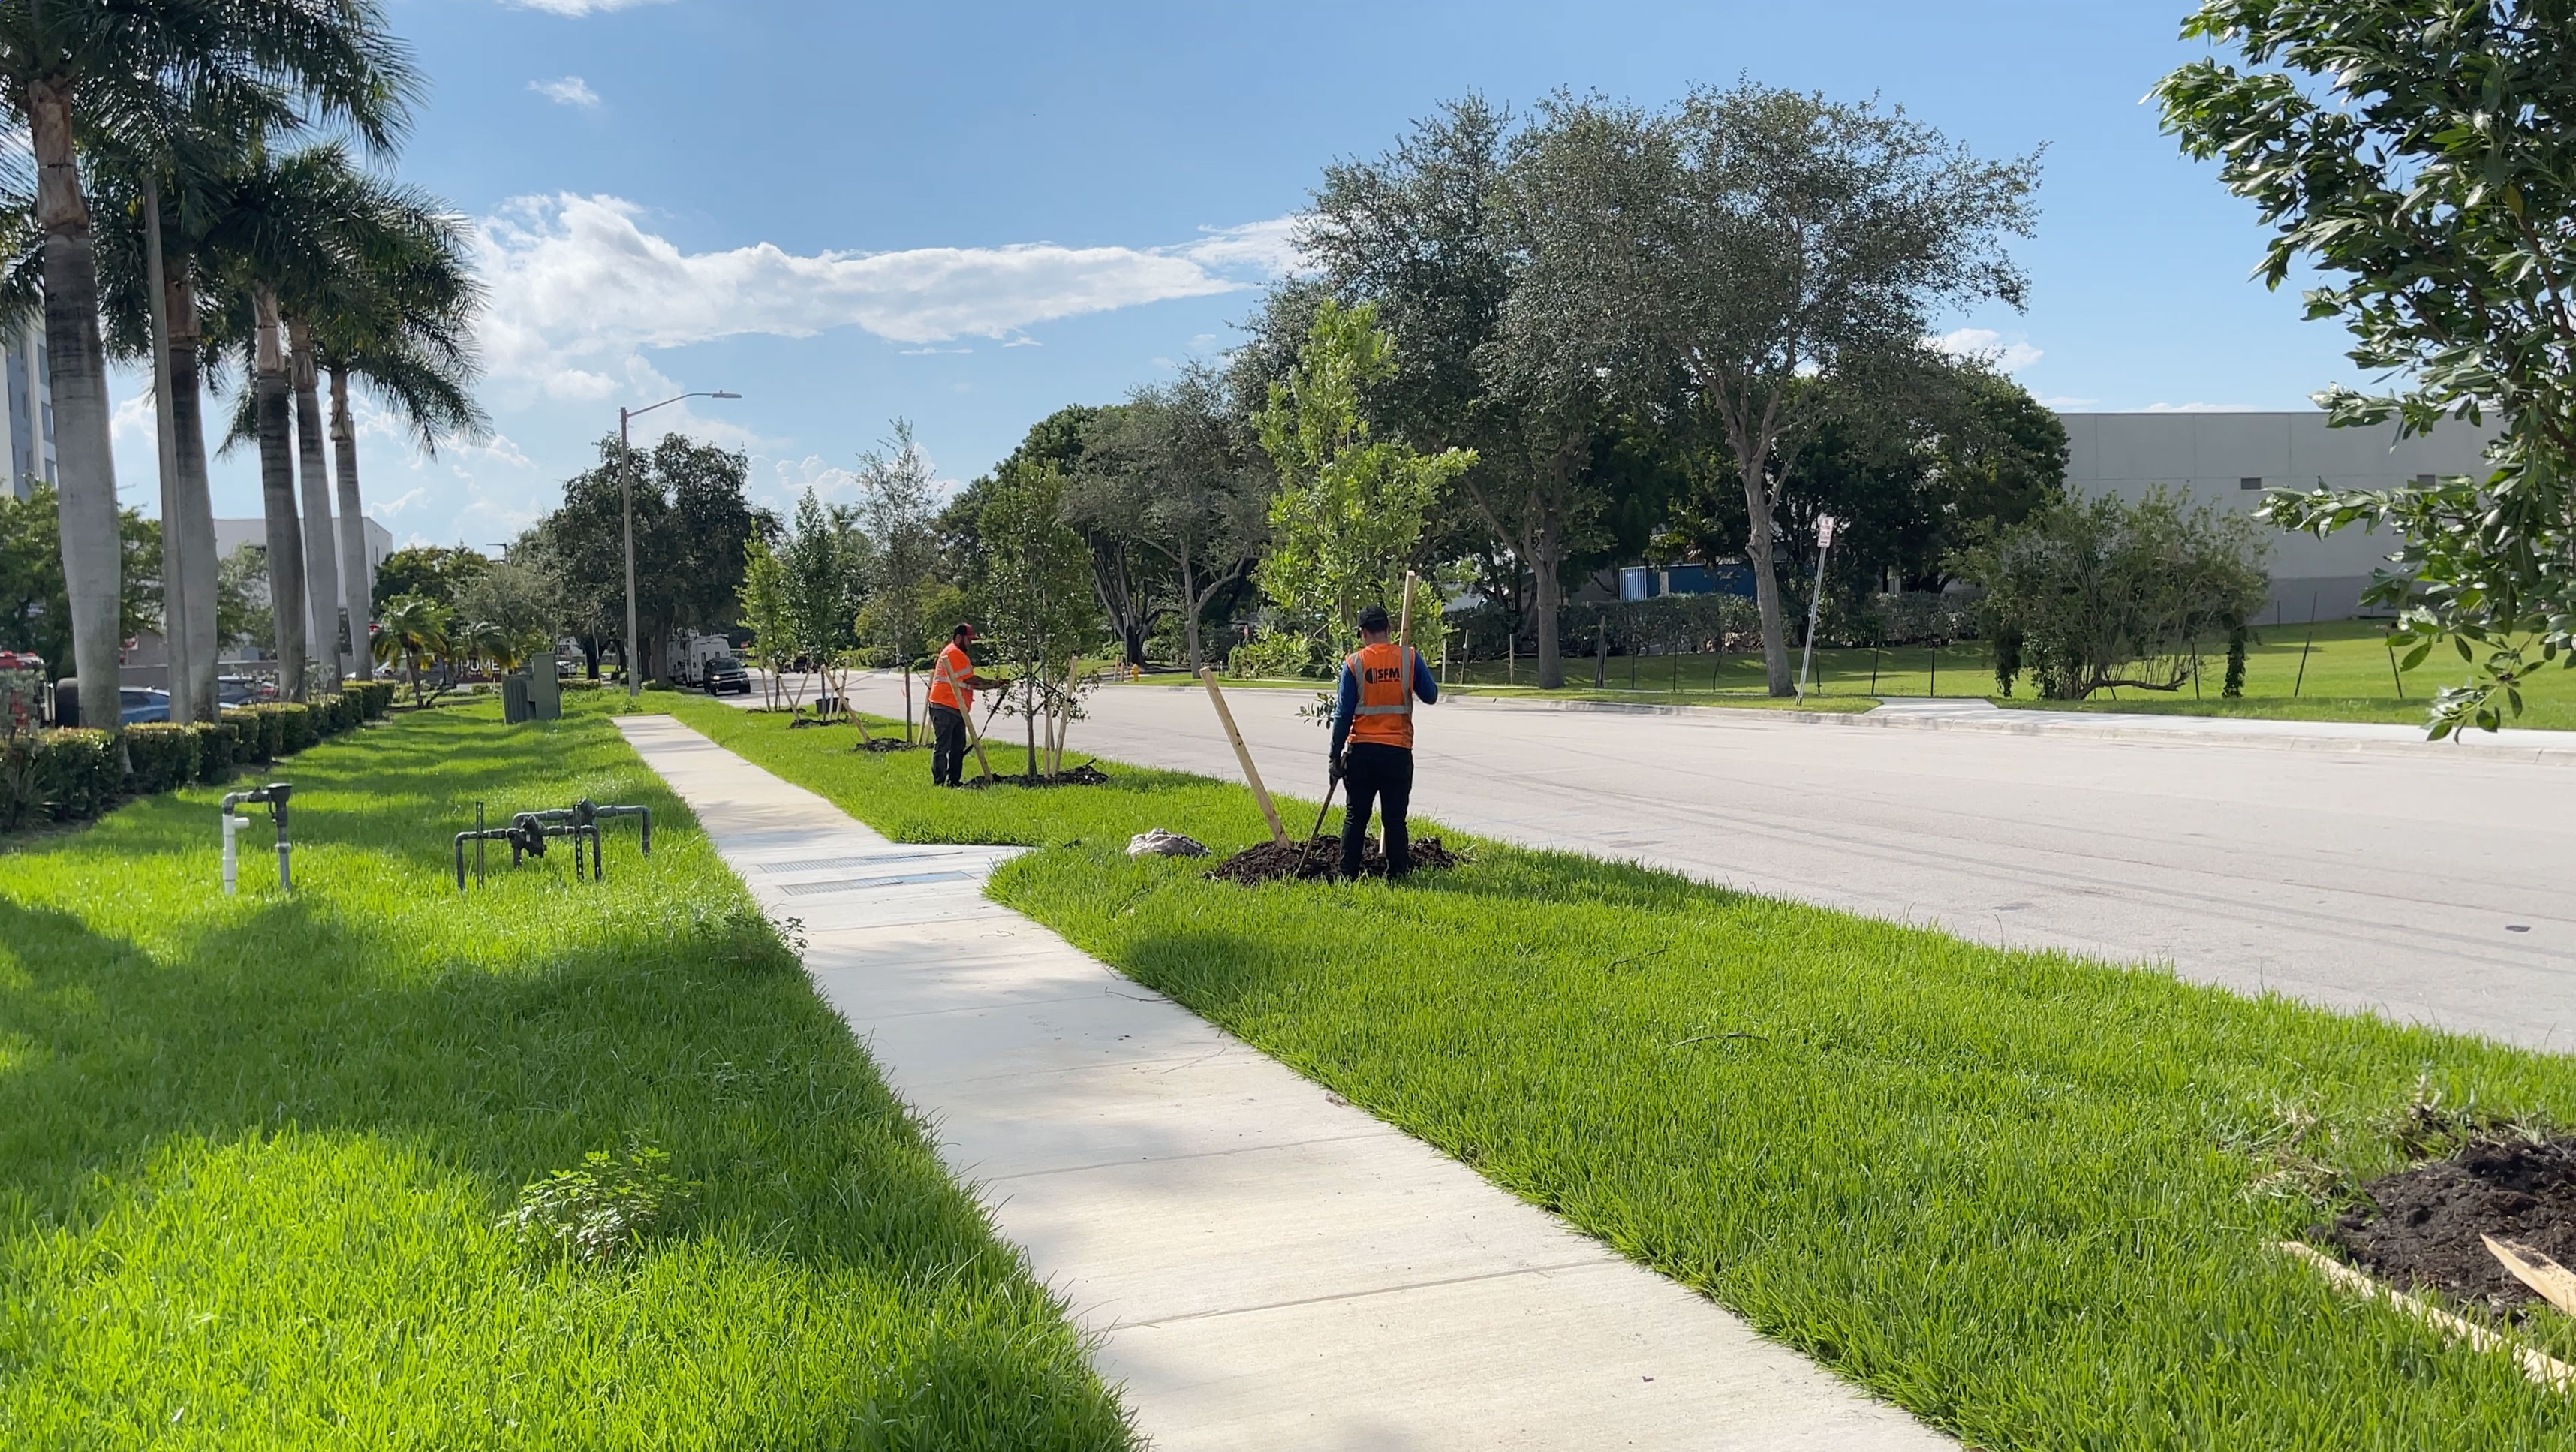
232 534
29 413
2228 459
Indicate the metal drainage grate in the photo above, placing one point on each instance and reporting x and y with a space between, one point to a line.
828 864
853 884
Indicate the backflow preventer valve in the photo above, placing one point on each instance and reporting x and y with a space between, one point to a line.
275 795
528 831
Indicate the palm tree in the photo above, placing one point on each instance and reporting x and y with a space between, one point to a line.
399 317
363 279
415 630
63 67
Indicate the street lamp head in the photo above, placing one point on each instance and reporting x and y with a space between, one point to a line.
720 393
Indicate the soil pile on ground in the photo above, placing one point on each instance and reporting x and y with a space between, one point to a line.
885 743
2422 1225
1083 775
1321 857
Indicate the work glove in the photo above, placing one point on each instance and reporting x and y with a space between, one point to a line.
1337 771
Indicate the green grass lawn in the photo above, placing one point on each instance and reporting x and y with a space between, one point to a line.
2008 1191
256 1154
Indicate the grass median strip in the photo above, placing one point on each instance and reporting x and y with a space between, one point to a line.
2013 1192
262 1158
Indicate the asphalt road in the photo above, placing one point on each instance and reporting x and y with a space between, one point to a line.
2426 883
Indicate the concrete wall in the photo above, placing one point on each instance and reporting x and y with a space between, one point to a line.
2212 456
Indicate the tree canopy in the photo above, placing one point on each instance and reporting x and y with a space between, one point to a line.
2423 159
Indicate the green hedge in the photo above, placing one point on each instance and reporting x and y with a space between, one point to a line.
373 697
255 736
217 743
290 728
159 756
60 774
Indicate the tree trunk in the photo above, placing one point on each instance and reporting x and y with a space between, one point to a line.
357 580
1766 580
178 639
321 555
196 500
77 368
276 423
1546 556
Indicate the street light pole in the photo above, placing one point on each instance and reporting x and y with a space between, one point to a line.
626 498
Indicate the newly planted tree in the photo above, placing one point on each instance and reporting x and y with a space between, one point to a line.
897 512
1040 603
1349 508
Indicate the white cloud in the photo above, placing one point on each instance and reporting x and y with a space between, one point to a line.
579 8
567 91
2200 408
579 289
2068 403
1989 346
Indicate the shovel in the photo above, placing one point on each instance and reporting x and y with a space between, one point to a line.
1305 849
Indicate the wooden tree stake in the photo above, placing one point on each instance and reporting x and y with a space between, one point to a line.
1243 753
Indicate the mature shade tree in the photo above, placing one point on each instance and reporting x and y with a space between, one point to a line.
2423 159
693 526
1174 471
35 608
1550 364
1921 465
1792 239
436 572
68 67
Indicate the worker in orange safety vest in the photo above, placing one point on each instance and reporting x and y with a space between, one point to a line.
1373 739
953 684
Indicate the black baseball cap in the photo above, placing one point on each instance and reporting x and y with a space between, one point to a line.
1373 618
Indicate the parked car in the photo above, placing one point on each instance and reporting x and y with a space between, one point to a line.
139 704
243 690
725 674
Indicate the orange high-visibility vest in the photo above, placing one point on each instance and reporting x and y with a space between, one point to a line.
1385 714
945 681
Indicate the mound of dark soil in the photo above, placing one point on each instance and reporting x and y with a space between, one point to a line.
2422 1225
885 743
1083 775
1321 857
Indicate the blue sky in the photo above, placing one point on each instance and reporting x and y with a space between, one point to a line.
969 216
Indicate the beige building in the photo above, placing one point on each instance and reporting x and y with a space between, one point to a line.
2229 459
26 410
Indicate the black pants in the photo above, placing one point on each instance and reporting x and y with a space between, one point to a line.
947 746
1382 776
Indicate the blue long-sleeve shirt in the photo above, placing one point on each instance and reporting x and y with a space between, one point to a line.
1347 704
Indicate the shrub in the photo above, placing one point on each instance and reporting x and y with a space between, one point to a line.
2101 592
374 699
297 727
1275 655
69 773
217 743
254 734
159 756
601 1210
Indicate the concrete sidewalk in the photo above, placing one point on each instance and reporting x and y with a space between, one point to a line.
1265 1266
